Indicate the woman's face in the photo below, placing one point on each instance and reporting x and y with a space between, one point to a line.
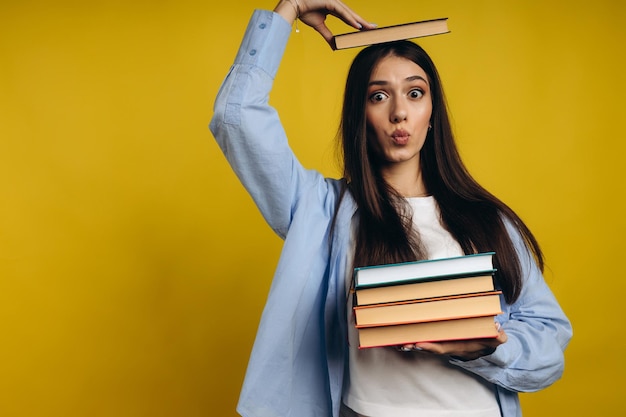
398 110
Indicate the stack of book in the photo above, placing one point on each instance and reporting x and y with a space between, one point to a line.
431 300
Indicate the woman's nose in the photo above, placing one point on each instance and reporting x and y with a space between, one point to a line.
398 112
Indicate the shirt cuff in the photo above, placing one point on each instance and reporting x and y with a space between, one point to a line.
264 41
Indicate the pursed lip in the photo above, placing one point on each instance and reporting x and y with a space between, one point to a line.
400 136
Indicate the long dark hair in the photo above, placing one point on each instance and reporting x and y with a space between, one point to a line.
474 216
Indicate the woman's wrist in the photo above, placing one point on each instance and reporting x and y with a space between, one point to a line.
288 9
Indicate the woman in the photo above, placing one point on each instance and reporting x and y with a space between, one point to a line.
405 196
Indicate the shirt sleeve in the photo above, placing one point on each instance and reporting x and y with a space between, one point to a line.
538 332
248 130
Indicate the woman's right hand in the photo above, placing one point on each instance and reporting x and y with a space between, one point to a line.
313 13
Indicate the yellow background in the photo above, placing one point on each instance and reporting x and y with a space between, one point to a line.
134 267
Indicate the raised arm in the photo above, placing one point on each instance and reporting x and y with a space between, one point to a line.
248 129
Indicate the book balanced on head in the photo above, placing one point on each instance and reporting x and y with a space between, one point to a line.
392 33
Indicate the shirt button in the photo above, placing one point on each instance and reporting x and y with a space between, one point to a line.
253 52
262 25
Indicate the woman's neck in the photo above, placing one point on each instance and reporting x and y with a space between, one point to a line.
407 181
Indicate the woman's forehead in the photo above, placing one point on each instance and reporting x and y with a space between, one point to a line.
394 66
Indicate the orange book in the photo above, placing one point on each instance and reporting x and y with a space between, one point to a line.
430 309
434 331
426 289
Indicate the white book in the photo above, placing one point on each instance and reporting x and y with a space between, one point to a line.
430 269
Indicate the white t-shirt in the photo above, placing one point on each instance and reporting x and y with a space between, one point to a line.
384 382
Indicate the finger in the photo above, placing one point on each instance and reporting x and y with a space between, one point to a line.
502 337
430 347
350 17
408 348
458 347
325 32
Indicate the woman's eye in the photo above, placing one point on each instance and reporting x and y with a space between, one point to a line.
416 93
376 97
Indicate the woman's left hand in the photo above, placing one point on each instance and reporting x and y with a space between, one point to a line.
465 350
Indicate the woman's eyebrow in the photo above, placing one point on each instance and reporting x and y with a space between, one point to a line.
407 79
415 78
